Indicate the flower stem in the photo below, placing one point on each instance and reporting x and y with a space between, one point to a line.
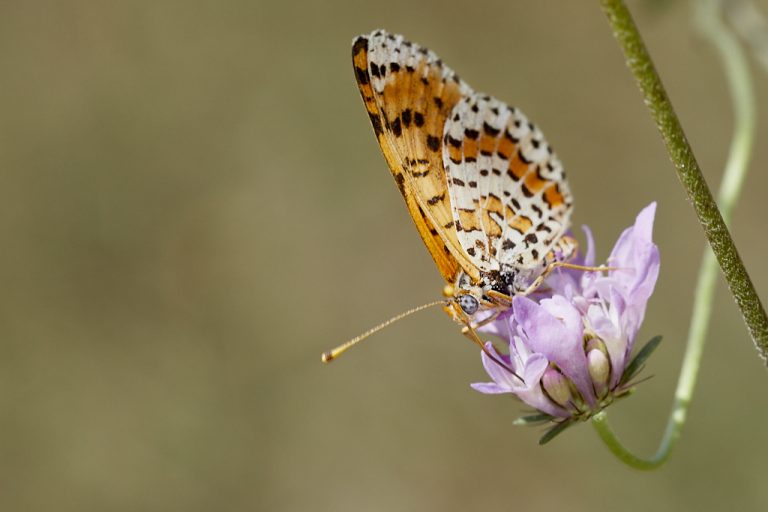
740 87
689 173
600 422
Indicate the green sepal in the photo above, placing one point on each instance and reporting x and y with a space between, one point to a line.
533 419
634 367
555 431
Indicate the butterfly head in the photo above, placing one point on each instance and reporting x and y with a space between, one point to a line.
472 297
468 303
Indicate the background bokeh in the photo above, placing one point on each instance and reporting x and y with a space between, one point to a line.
193 207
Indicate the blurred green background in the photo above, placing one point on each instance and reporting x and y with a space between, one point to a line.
193 206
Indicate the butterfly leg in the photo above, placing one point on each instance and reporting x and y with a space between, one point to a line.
468 330
470 333
560 264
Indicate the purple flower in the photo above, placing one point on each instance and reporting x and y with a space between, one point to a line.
569 349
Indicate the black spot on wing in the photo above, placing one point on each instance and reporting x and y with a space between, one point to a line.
362 76
376 122
406 116
400 180
397 129
436 199
490 130
360 44
526 191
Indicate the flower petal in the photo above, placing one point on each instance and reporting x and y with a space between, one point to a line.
489 388
589 254
558 338
636 256
500 375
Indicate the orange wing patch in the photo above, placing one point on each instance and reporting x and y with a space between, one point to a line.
408 94
507 181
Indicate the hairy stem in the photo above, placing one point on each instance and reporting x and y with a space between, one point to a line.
688 171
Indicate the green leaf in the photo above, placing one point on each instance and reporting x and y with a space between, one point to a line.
533 419
555 431
634 367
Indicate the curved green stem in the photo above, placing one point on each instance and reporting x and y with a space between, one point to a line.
742 96
600 422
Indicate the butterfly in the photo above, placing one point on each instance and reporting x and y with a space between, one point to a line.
486 191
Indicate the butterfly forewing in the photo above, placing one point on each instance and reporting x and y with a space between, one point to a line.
409 94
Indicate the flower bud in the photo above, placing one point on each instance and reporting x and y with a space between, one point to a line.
592 342
556 387
599 370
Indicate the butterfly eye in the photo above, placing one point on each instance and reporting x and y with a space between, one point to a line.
468 304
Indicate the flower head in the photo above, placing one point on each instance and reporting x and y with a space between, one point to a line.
569 349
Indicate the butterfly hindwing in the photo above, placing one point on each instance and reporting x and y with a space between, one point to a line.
508 190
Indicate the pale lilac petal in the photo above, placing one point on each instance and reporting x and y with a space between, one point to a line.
528 390
490 388
644 222
636 255
650 263
495 371
535 366
538 400
531 392
563 282
560 339
587 279
502 326
564 311
589 254
607 325
600 322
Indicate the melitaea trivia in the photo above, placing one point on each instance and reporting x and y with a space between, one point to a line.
484 188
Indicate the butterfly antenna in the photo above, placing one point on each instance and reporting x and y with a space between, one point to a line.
327 357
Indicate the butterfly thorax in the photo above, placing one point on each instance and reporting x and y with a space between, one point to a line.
479 296
495 288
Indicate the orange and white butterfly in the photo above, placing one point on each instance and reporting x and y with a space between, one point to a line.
484 188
